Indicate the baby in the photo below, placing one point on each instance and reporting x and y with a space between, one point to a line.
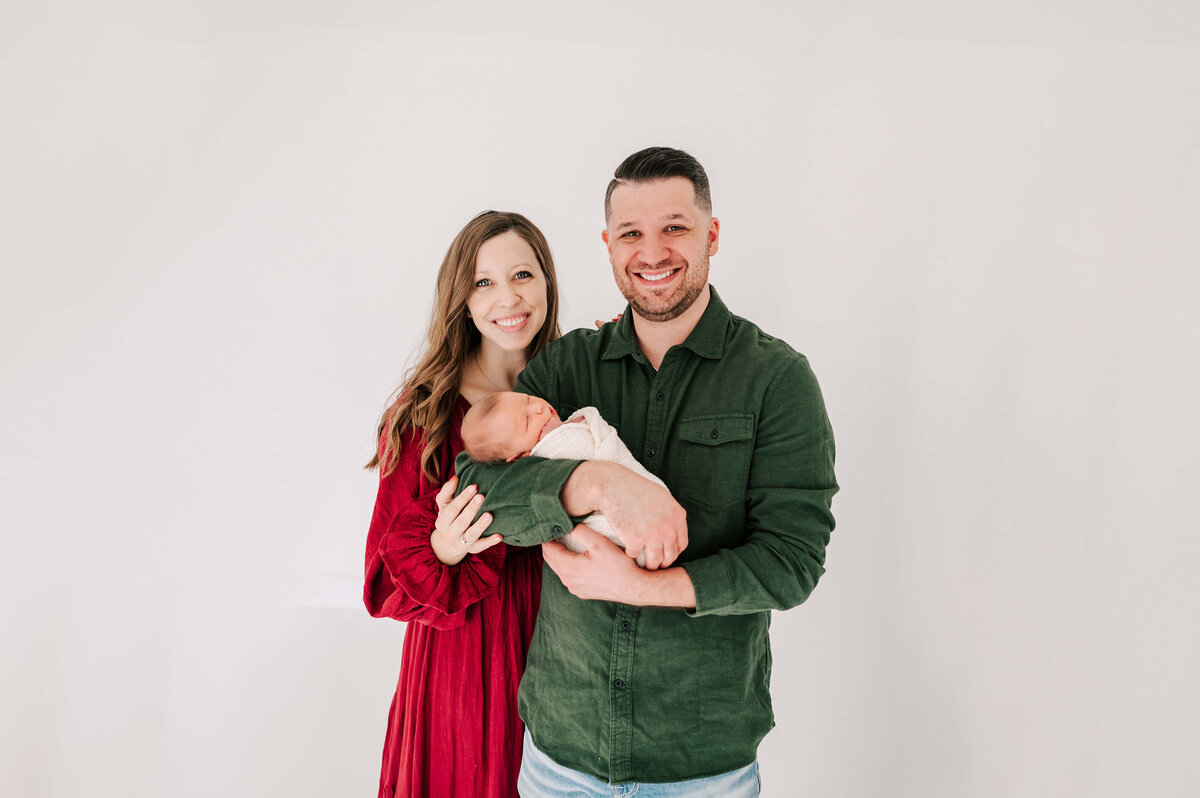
504 426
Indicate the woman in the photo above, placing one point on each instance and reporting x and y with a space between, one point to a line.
453 728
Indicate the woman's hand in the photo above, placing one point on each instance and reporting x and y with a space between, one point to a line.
454 536
600 323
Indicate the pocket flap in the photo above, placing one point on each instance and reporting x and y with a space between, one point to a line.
715 430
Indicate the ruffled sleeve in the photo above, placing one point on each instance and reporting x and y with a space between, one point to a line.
403 577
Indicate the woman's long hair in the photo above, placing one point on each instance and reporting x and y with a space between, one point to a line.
427 397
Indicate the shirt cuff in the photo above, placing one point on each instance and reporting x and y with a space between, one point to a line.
549 519
713 586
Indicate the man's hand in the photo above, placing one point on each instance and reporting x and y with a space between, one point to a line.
645 515
604 572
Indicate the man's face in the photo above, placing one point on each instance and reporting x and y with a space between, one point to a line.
659 242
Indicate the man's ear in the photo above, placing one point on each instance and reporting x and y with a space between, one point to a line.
604 238
714 235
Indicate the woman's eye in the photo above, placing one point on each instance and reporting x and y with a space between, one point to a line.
524 275
483 283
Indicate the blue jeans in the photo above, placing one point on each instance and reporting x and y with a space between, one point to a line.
542 777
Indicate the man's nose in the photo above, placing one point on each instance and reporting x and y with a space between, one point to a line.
653 250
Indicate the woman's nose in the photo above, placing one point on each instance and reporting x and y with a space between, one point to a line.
506 295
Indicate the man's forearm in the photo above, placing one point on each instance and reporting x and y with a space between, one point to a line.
584 491
669 587
644 513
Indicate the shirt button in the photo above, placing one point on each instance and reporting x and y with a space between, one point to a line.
660 396
714 435
650 453
557 529
618 683
624 626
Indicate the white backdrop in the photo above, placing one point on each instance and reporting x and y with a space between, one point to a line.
221 223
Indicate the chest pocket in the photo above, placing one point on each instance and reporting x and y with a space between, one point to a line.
715 453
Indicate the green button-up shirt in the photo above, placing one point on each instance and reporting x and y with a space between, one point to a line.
734 423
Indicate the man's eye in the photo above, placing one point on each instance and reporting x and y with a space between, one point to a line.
675 228
483 283
630 234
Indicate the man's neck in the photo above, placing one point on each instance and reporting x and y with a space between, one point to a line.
656 337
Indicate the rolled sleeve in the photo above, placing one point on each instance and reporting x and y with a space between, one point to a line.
524 497
713 586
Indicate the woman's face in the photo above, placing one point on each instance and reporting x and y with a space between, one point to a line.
508 300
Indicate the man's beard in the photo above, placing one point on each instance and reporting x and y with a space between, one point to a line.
687 295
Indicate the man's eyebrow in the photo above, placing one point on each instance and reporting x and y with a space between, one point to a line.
668 218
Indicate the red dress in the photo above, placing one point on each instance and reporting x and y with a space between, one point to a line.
453 728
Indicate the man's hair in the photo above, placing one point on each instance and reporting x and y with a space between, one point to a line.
479 446
659 163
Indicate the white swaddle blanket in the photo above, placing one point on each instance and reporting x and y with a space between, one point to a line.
593 438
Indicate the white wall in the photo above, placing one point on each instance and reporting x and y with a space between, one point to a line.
220 226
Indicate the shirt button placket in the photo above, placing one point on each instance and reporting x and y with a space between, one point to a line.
656 410
621 693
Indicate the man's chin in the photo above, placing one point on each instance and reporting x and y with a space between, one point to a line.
657 315
654 309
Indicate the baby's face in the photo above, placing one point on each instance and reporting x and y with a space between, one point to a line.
518 419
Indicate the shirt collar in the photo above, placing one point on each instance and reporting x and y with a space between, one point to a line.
707 338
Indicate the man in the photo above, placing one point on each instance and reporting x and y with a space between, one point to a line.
661 675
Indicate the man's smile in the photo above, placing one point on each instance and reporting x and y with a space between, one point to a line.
657 277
